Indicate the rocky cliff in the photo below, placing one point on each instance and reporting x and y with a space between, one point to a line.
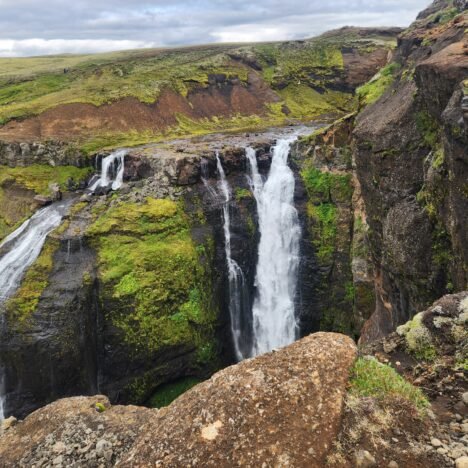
398 234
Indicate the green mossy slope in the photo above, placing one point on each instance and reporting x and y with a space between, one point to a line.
155 288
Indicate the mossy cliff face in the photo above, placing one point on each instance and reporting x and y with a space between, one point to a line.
410 153
158 315
334 232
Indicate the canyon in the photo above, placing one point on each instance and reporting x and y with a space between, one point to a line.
267 208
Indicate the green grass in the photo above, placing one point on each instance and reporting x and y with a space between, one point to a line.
370 378
377 86
167 393
38 177
29 86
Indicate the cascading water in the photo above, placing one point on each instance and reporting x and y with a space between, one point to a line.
2 399
22 247
112 171
25 244
238 296
274 321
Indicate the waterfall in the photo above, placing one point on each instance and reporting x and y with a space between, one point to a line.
22 248
25 244
274 321
112 171
2 398
238 296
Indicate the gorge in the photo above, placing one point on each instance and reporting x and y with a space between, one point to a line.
281 226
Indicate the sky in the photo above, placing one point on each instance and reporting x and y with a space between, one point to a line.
42 27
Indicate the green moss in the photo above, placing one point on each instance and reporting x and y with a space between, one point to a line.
370 378
324 217
23 303
418 338
167 393
325 190
428 128
242 193
156 287
377 86
38 177
439 157
327 186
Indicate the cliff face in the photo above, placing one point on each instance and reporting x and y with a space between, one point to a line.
387 186
411 161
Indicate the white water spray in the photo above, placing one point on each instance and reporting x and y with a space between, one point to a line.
238 298
25 244
274 321
22 247
112 171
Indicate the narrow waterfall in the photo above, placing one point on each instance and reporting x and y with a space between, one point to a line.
112 171
238 296
274 321
2 398
25 244
22 247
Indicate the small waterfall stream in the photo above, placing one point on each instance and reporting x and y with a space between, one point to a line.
22 248
274 321
112 171
25 244
238 296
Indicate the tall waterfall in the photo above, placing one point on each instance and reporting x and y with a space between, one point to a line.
24 245
112 171
274 321
238 296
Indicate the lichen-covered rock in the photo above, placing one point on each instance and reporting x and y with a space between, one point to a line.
71 432
282 408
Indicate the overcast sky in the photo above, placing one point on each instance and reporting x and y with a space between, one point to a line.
38 27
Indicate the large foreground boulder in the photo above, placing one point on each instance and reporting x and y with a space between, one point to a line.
280 409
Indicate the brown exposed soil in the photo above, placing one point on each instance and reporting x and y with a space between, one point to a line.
75 120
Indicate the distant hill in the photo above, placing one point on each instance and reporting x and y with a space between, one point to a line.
131 97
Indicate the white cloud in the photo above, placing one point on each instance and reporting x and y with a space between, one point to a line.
30 27
28 47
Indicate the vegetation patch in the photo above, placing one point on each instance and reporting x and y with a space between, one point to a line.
18 185
377 86
370 378
23 303
167 393
155 285
418 338
38 177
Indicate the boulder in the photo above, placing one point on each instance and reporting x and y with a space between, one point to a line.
279 409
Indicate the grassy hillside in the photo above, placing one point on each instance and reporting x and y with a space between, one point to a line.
301 80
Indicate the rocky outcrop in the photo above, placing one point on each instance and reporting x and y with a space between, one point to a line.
239 417
51 153
340 277
431 351
410 152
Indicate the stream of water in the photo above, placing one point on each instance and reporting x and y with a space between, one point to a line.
274 321
238 296
112 171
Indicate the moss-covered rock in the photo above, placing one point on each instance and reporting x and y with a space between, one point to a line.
155 286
